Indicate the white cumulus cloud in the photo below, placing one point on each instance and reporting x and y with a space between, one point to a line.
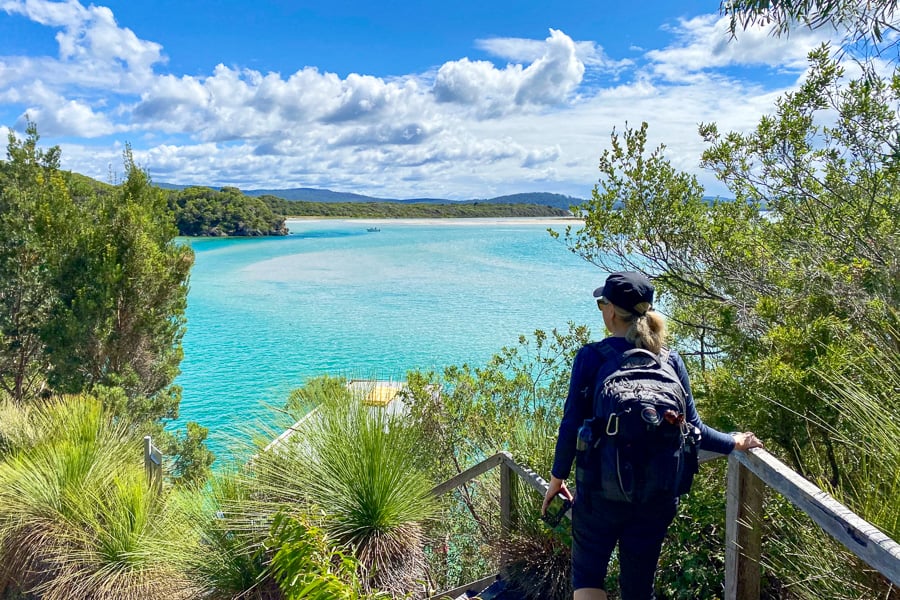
93 49
704 43
466 128
549 79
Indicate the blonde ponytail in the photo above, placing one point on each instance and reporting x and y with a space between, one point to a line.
647 331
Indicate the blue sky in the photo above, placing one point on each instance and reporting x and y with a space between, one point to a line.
403 99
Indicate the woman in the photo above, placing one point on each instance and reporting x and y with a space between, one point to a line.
598 524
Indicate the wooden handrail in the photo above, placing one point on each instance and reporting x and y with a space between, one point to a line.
747 472
862 538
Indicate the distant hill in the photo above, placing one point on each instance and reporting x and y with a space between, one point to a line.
321 195
316 195
542 198
325 195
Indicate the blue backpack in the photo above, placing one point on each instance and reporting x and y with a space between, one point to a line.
638 446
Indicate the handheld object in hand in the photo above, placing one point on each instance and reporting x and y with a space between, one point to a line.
559 506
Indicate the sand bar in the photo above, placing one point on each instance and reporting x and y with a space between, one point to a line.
472 221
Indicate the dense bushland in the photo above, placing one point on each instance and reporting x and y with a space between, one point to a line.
418 210
93 288
203 211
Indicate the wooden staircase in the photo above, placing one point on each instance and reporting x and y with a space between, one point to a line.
748 474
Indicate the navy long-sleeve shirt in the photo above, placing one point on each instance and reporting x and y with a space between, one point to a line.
579 406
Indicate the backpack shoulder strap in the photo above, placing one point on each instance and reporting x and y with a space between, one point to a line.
606 354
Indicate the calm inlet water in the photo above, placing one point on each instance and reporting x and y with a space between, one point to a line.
264 315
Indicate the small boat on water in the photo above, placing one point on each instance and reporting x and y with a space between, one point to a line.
370 229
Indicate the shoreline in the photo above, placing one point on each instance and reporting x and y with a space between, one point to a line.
472 221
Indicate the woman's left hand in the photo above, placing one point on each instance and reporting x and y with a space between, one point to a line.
746 440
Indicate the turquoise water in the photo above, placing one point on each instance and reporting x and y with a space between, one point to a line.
264 315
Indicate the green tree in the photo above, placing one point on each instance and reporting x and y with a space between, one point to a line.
123 291
93 286
767 287
858 19
201 211
772 293
36 224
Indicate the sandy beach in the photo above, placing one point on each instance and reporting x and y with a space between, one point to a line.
479 221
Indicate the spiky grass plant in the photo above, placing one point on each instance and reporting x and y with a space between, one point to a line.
361 470
867 440
77 518
870 434
233 528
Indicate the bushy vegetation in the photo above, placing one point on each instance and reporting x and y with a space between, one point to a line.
397 210
93 288
203 211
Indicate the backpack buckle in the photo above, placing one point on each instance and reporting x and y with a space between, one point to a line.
612 425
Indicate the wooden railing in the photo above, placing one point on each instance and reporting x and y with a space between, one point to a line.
748 473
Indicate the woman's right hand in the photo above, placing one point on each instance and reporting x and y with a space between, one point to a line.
557 486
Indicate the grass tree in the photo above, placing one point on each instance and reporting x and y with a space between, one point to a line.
233 529
77 518
359 472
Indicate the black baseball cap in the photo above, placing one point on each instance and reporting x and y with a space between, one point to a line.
629 290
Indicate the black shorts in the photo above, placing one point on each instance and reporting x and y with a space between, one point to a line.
639 529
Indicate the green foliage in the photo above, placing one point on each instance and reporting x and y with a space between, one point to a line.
77 519
192 459
867 437
201 211
858 19
123 289
481 409
316 391
36 222
396 210
774 295
770 297
306 566
93 290
233 531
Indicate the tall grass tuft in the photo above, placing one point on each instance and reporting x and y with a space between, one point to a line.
233 528
359 471
77 518
866 438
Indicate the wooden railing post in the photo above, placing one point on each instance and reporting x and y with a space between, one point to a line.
508 518
507 510
743 532
152 463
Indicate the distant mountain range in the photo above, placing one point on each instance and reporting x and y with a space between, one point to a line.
322 195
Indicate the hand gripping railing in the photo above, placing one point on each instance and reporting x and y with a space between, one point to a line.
748 472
